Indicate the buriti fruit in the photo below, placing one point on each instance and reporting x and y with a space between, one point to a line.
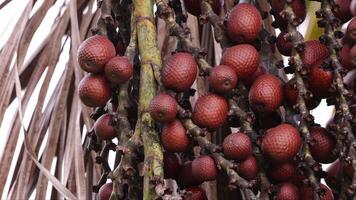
204 168
281 172
306 192
171 164
248 168
118 70
333 179
94 90
103 129
351 31
186 177
163 108
243 58
314 51
257 73
194 6
244 23
343 11
266 93
222 79
298 7
94 53
105 191
284 46
320 81
281 143
179 72
195 193
174 137
291 95
210 111
237 146
287 191
323 144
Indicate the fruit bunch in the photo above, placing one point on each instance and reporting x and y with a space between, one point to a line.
248 121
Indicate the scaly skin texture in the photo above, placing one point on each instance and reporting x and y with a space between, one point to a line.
94 90
314 51
210 111
266 93
204 168
306 192
172 164
243 58
323 145
281 143
222 79
118 70
320 81
163 108
244 23
94 53
281 172
179 72
287 191
248 168
174 137
194 6
257 73
195 193
237 146
105 191
284 46
103 129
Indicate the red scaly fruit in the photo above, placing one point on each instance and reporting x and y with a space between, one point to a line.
266 93
179 72
343 11
248 168
281 172
222 79
351 31
281 143
194 6
284 46
345 57
174 137
323 145
172 164
320 81
103 129
186 177
237 146
163 108
244 23
94 53
210 111
118 70
314 52
306 193
291 95
94 90
105 191
287 191
298 6
243 58
204 168
195 193
250 79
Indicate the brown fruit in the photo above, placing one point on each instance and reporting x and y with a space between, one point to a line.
351 31
174 137
186 177
287 191
179 72
237 146
281 143
163 108
244 23
204 168
195 193
291 95
210 111
298 6
118 70
284 46
320 81
172 164
323 145
333 178
94 90
194 6
103 129
343 11
314 52
94 53
105 191
281 172
346 59
266 93
257 73
243 58
248 168
222 79
306 192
